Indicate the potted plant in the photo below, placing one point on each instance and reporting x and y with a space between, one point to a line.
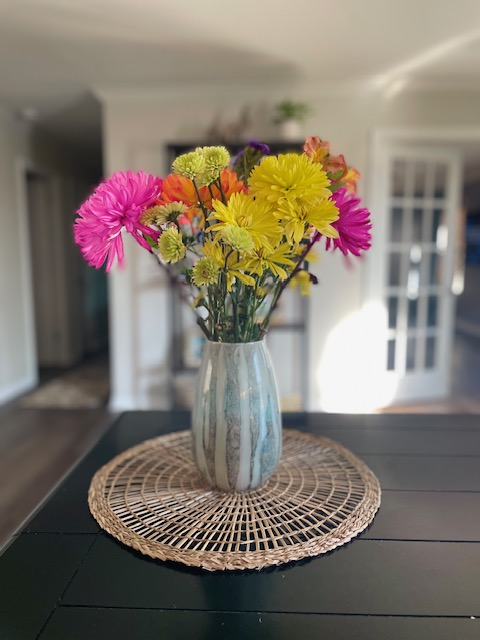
290 115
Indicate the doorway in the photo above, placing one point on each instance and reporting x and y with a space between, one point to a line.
70 299
416 275
46 269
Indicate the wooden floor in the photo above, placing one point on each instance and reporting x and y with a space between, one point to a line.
37 448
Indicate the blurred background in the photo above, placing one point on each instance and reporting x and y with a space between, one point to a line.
90 88
116 85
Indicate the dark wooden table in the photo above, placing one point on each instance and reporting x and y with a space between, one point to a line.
414 574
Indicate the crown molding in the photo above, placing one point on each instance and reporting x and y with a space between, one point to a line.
305 89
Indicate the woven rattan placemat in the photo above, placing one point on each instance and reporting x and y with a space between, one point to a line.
152 498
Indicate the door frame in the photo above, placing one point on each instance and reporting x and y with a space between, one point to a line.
380 139
23 166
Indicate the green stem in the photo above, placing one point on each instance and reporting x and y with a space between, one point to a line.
235 312
203 327
200 201
250 309
220 188
213 313
283 285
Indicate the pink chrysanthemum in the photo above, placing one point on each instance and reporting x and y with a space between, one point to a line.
353 225
118 202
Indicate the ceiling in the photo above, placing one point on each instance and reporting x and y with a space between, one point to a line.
53 53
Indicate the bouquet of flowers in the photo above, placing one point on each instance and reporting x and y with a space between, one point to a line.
232 233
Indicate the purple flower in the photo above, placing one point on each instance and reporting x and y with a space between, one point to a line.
353 225
259 146
254 149
116 203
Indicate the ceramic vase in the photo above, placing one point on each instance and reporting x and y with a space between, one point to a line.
236 419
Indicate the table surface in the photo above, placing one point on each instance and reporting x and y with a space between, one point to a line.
414 573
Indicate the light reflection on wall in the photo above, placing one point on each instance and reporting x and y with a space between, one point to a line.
352 374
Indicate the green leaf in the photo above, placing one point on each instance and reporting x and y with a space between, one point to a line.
335 176
150 241
335 186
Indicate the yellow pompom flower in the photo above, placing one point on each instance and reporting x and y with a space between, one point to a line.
170 245
289 178
237 238
296 218
189 165
244 211
216 160
161 214
205 272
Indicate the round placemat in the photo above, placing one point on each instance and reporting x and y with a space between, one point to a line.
152 498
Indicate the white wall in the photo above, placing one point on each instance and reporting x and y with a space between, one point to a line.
21 150
17 365
136 129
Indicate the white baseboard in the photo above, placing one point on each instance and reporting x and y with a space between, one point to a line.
11 391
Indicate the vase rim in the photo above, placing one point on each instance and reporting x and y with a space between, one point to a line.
236 344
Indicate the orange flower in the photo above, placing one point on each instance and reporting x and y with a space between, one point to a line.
350 179
178 189
230 185
175 188
317 150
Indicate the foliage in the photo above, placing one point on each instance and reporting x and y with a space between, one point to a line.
290 110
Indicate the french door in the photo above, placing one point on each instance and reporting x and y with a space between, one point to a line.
416 203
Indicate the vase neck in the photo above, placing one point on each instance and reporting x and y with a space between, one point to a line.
236 344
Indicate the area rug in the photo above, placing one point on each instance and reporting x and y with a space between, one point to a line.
86 387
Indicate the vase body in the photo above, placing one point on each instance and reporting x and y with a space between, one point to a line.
236 419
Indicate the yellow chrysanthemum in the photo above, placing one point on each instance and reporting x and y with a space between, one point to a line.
215 252
256 217
274 261
237 238
170 245
189 165
289 178
228 263
302 281
295 219
235 270
205 272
